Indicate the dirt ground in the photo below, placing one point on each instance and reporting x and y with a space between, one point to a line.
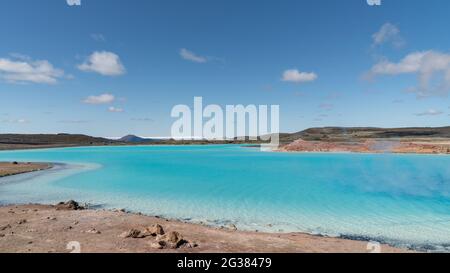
12 168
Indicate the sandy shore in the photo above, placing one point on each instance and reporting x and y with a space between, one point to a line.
42 228
12 168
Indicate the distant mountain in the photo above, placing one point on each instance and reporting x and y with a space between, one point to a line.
131 139
136 139
53 139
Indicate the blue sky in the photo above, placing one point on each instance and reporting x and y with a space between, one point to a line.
113 67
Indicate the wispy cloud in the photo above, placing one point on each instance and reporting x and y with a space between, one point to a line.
426 65
20 56
295 76
430 112
98 37
73 2
191 56
103 62
143 119
115 109
20 121
73 121
388 33
100 99
23 69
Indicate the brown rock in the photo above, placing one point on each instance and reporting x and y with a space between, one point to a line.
92 231
69 205
5 227
132 233
153 230
232 227
172 239
156 245
22 221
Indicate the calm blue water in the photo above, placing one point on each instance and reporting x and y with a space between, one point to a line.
399 199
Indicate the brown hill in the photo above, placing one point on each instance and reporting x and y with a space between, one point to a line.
22 141
364 133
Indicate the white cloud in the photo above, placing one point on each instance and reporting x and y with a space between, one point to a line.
20 56
115 109
432 69
98 37
73 2
293 75
100 99
20 121
76 121
191 56
103 62
27 70
430 112
388 33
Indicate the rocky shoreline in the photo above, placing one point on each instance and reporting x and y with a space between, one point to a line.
68 227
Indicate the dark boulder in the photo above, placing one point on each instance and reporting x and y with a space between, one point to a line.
69 205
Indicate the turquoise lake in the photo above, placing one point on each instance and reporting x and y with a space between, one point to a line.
399 199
